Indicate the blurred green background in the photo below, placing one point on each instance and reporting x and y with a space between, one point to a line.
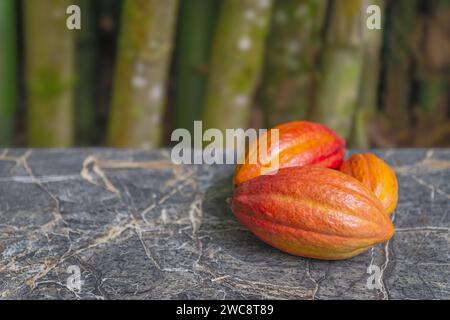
138 69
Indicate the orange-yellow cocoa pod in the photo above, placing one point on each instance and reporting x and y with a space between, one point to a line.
376 175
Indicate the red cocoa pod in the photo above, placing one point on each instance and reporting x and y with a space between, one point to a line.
300 143
312 212
375 174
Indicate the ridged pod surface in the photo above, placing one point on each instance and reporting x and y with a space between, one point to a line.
312 212
300 143
376 175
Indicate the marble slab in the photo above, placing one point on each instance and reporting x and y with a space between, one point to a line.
132 225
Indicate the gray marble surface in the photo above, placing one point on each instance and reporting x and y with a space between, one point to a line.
139 227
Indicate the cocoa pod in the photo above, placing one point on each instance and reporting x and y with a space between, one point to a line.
312 212
300 143
375 174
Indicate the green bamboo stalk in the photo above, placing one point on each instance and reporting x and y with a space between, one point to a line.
86 66
8 70
236 62
145 47
433 95
195 30
431 67
294 41
401 18
431 112
341 67
368 92
49 73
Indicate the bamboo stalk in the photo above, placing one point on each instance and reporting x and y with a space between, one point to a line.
195 30
432 64
8 70
145 47
86 66
49 73
341 67
236 61
401 17
368 91
289 76
434 61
